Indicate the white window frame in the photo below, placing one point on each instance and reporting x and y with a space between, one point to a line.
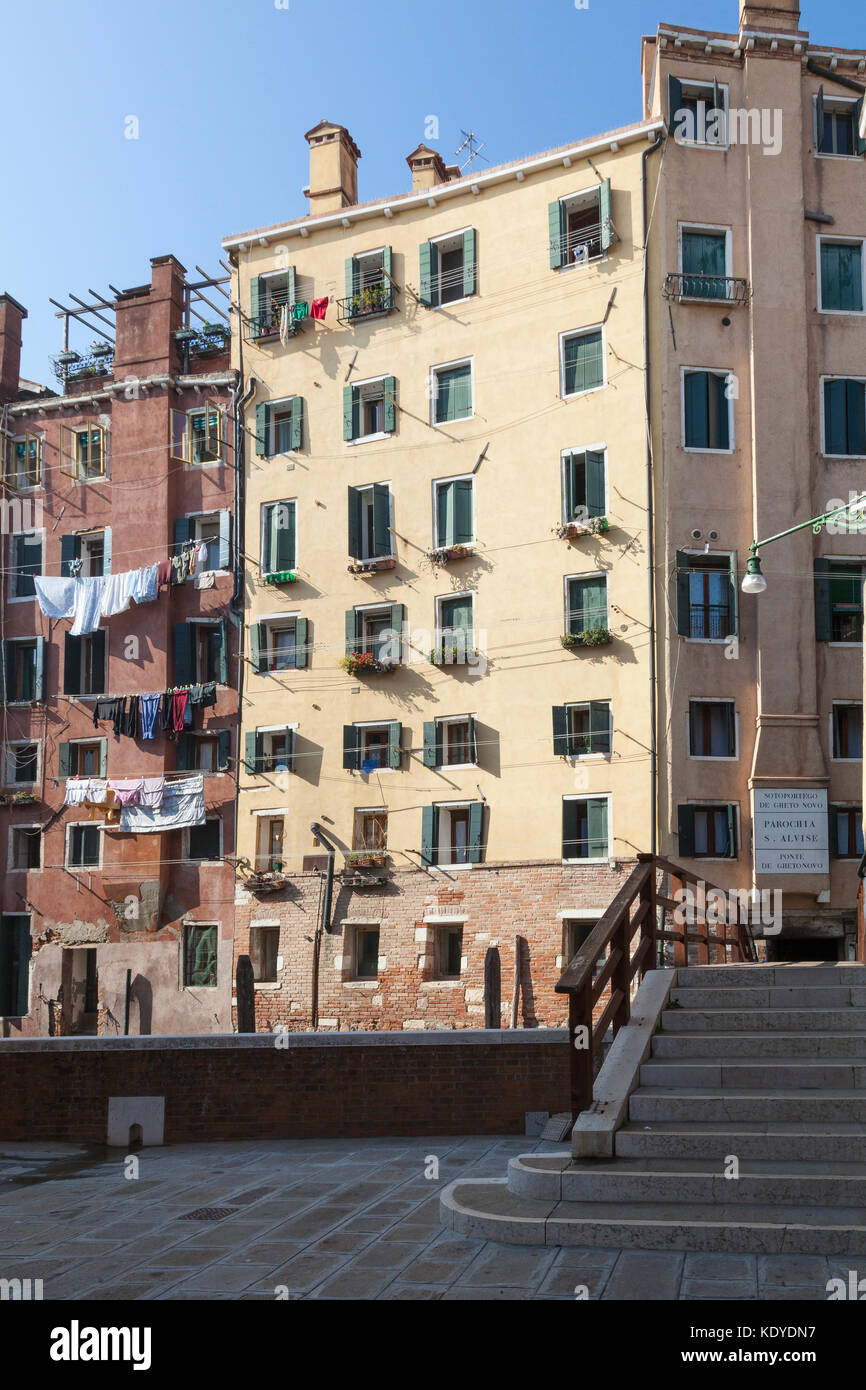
37 532
849 560
277 620
565 202
366 492
263 818
67 849
379 810
86 539
565 454
728 374
712 802
443 482
457 719
595 796
837 106
273 451
689 87
846 704
822 381
590 574
263 513
438 241
433 388
11 866
365 609
448 598
364 726
378 434
203 863
841 241
273 925
714 227
448 807
8 760
712 641
589 757
199 621
712 700
582 333
266 729
88 742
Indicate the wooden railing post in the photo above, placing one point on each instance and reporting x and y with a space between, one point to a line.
580 1043
620 980
681 953
649 925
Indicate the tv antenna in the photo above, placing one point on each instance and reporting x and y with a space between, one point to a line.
470 144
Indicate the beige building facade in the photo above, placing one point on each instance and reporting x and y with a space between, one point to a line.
448 663
758 352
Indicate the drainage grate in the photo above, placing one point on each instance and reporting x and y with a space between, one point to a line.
208 1214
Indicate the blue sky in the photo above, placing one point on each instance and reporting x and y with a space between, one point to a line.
224 92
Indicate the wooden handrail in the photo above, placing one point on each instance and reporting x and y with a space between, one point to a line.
610 942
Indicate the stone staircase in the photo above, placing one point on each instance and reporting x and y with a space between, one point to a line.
760 1068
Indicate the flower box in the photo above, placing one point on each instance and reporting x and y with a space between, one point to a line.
592 526
282 577
444 554
590 637
184 335
383 562
266 882
451 656
365 859
101 349
365 664
68 356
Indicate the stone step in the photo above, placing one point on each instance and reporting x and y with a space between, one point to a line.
763 1142
487 1210
771 997
795 976
763 1020
722 1046
672 1103
701 1180
756 1072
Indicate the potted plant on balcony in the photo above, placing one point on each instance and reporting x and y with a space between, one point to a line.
184 335
365 664
450 654
589 637
585 526
366 859
67 357
101 349
381 562
282 577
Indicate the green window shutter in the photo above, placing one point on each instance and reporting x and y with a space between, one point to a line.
855 410
381 519
684 625
350 412
731 728
732 832
831 295
429 263
569 501
858 126
263 422
103 756
351 747
301 640
297 422
720 414
733 595
224 749
476 831
396 619
388 268
63 760
251 753
464 522
597 831
268 513
185 753
594 483
556 221
833 828
819 119
835 417
8 652
686 831
604 208
584 363
429 827
70 549
182 533
453 394
290 749
560 731
354 522
823 601
389 402
589 604
395 744
353 630
224 557
258 642
291 286
444 514
599 726
675 100
183 654
224 652
473 739
571 848
351 277
25 948
285 536
98 674
71 664
432 746
697 423
469 241
257 295
39 673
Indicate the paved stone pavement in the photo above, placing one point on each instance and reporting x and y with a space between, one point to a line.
339 1218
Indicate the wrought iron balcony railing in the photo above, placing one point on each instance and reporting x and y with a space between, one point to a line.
718 289
267 323
712 620
367 302
77 366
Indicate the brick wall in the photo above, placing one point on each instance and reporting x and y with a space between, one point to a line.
494 904
291 1086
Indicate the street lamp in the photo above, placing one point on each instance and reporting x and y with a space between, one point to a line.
754 581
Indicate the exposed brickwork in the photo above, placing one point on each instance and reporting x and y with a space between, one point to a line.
267 1092
499 902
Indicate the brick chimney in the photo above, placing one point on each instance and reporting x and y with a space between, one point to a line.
774 16
333 168
428 168
12 315
146 318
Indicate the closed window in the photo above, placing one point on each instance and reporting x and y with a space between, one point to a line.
89 454
26 847
586 827
451 390
15 951
366 953
84 663
847 722
26 562
707 411
82 846
83 758
838 600
22 764
448 954
23 670
846 832
837 125
581 361
841 276
204 841
707 832
264 950
712 729
704 263
455 628
845 417
200 955
574 935
586 605
208 652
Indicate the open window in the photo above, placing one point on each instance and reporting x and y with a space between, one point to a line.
84 663
838 600
21 766
279 643
448 268
452 833
581 228
707 596
23 666
847 730
372 747
582 730
370 830
201 651
270 834
586 827
279 426
839 126
84 453
270 749
24 462
584 484
369 409
369 285
707 831
451 742
198 436
370 535
25 847
270 295
83 846
699 113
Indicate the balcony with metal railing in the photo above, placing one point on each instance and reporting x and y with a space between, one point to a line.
714 289
278 316
374 296
709 621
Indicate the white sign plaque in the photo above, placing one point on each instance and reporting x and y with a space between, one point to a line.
791 831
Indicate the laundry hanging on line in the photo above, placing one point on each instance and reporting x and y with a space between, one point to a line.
139 719
113 793
182 805
86 601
